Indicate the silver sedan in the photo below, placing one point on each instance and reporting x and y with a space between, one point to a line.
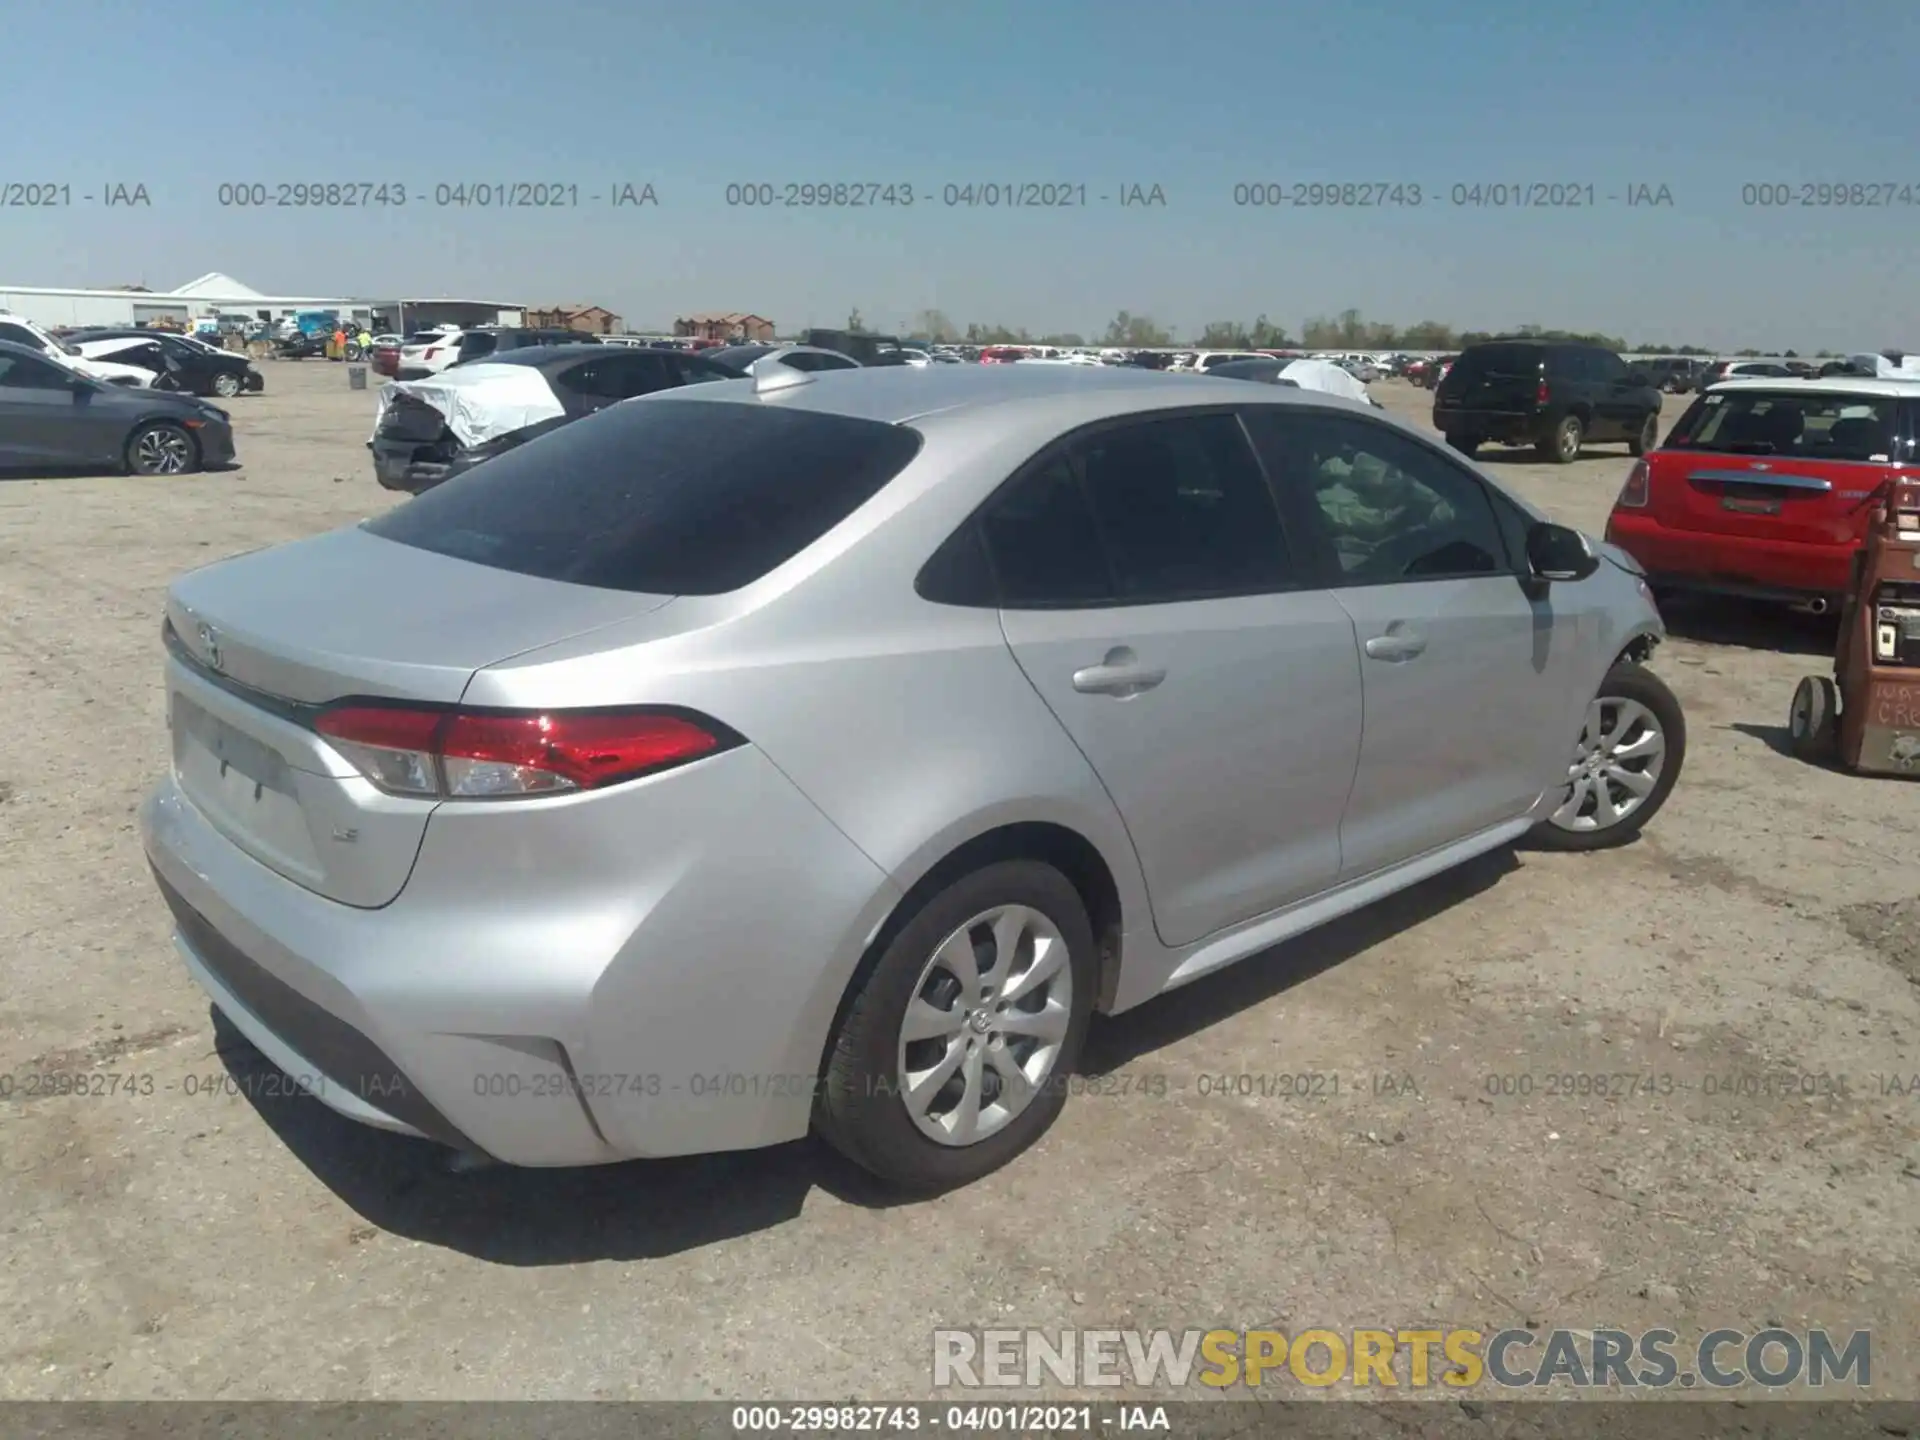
822 751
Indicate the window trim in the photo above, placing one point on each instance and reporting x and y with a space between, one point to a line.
1307 569
1326 559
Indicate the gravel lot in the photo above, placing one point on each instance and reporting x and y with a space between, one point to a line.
189 1245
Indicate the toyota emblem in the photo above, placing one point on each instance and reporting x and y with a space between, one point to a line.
210 638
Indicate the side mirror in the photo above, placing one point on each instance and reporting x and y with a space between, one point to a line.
1558 552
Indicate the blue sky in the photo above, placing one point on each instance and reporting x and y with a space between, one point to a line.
1702 96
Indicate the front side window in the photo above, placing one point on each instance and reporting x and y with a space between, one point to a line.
18 372
1389 509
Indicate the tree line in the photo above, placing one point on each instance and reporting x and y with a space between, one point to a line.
1348 330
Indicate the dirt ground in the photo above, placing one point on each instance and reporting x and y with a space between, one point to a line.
1754 959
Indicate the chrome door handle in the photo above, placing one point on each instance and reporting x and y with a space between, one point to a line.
1120 675
1396 645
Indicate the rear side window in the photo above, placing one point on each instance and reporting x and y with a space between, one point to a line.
1149 512
474 346
662 497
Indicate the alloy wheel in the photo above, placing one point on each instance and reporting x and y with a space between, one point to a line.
162 452
1615 767
983 1031
1570 439
226 386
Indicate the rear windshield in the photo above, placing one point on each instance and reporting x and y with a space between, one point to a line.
1810 427
1499 360
661 497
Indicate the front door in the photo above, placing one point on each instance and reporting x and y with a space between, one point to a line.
45 419
1465 679
1152 599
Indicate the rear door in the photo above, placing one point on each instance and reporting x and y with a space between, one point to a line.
1154 603
1778 465
1468 683
1619 399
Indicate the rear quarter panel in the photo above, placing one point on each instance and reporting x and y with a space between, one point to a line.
908 724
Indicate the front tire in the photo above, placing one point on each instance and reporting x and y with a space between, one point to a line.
1563 446
226 385
1647 439
1624 765
955 1052
160 447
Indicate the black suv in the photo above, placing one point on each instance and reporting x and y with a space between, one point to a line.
490 340
1553 395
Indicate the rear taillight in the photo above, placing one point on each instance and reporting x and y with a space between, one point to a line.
1633 494
1542 395
500 755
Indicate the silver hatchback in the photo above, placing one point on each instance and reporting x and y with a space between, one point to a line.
822 751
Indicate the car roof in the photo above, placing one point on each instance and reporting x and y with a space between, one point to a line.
538 355
1066 394
1885 389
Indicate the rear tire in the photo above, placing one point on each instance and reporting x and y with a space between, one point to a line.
1624 766
867 1108
1467 445
1813 721
1563 446
1647 439
160 447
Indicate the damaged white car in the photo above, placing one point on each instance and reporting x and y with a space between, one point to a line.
430 430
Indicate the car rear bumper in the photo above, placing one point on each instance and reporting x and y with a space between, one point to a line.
1730 564
397 467
547 990
1507 427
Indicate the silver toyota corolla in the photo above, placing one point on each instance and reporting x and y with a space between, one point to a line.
821 751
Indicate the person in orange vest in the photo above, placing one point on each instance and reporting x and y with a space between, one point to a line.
339 342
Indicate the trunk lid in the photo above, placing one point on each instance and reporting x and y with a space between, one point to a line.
1798 467
259 643
1818 502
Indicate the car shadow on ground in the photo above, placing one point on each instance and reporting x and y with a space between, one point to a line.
1491 454
1749 625
108 472
1115 1042
646 1209
637 1210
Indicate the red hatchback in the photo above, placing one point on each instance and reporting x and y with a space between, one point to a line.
1765 487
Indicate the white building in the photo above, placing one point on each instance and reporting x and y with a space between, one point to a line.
210 296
